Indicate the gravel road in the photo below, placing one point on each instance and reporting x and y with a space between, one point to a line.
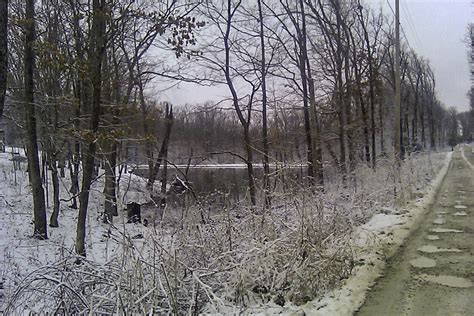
433 272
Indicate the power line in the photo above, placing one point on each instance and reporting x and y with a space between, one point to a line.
411 25
401 26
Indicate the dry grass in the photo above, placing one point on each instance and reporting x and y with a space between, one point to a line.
296 251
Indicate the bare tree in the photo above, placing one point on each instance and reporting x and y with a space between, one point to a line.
293 21
329 17
431 86
263 70
452 122
232 63
163 153
3 52
415 85
371 50
96 53
40 230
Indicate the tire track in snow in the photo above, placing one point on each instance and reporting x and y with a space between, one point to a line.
434 281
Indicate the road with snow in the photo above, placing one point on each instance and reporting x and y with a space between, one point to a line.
433 272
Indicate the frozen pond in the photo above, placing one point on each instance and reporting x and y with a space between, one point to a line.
227 179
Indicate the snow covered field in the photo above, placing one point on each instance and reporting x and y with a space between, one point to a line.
318 250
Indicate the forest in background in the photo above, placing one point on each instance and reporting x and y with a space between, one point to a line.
309 82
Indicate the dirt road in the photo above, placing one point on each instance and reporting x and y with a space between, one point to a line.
433 273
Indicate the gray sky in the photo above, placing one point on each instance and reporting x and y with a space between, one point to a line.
435 29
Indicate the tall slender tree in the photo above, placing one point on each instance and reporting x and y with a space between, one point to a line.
3 52
96 53
263 70
39 208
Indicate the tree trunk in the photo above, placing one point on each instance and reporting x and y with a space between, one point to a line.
339 89
75 175
3 52
169 118
96 52
53 221
39 208
432 126
342 146
348 115
414 124
407 129
110 145
318 152
313 126
164 178
235 100
81 95
147 134
371 91
413 128
361 103
250 173
74 182
307 128
51 147
110 204
422 123
382 140
365 120
266 167
44 173
372 122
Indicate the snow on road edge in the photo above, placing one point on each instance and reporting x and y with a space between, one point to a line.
374 243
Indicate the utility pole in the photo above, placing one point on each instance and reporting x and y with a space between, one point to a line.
398 135
3 52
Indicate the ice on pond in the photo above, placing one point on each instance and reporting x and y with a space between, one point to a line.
447 280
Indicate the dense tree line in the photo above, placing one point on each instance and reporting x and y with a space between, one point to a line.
332 62
78 83
308 81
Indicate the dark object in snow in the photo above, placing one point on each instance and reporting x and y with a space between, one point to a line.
179 186
17 160
416 148
134 213
145 222
2 141
279 300
138 236
260 289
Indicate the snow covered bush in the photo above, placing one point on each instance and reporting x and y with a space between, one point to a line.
215 260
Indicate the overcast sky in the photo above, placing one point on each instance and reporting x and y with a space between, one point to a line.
434 28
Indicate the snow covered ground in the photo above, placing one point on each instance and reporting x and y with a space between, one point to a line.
179 264
372 243
22 255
